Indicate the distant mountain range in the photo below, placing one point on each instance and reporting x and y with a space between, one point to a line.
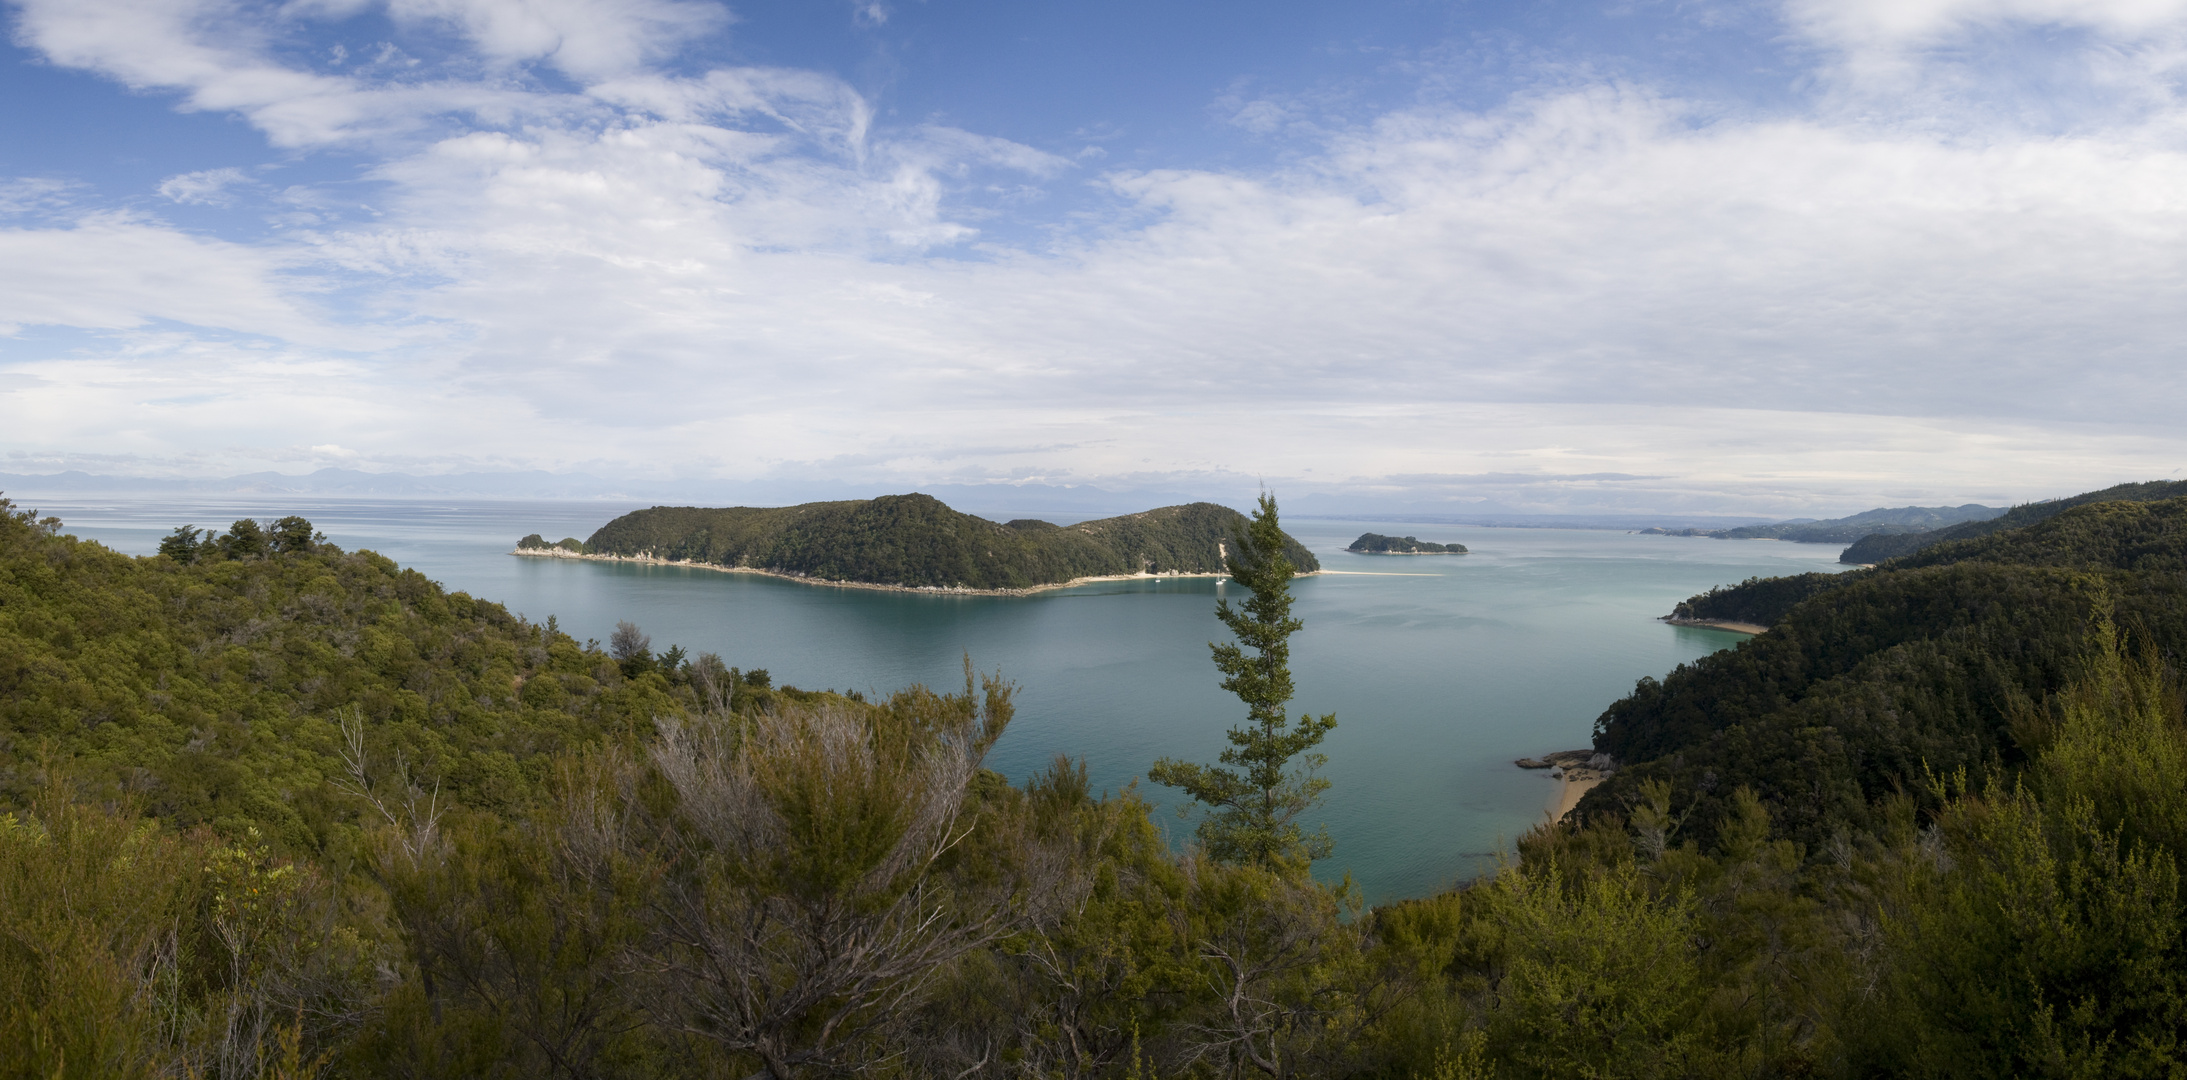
1893 521
1876 535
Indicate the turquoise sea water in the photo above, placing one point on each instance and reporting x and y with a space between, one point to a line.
1440 669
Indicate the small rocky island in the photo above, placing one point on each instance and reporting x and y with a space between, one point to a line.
1378 544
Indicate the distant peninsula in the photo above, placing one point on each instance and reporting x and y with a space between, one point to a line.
915 542
1874 549
1891 521
1378 544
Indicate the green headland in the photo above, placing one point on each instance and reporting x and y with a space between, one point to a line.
916 542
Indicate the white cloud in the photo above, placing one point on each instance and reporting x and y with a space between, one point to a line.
219 56
207 187
31 194
587 39
743 273
1587 248
1895 23
1978 65
114 273
822 110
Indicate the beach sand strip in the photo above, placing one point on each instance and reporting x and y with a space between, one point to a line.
931 590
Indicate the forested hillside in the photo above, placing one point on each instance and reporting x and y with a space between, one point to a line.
1870 680
1877 548
915 540
213 689
272 809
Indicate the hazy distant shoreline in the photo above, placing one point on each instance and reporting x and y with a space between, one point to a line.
931 590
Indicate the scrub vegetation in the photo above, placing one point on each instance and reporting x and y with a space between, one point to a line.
273 809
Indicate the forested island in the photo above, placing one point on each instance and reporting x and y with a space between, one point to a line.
1378 544
269 808
914 541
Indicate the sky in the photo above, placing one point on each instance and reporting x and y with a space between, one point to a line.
1782 259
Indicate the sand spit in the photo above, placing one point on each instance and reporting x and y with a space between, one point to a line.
1576 773
930 590
1569 790
1371 573
1718 624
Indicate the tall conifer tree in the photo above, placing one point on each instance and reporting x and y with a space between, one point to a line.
1254 804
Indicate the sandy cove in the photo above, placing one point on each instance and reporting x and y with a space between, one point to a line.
1569 790
930 590
1574 774
1718 624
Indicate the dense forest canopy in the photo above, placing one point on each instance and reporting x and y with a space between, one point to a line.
1876 548
1870 679
915 540
273 809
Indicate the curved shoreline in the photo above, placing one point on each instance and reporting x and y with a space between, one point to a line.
1717 624
1568 795
929 590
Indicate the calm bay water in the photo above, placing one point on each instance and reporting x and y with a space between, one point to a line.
1441 670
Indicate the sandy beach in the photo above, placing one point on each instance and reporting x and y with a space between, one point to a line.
1718 624
1569 791
1574 774
648 560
